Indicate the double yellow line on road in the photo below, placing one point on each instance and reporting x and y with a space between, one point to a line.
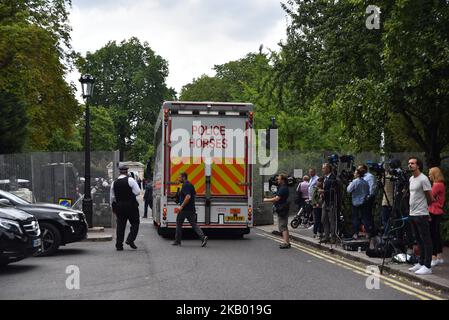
420 294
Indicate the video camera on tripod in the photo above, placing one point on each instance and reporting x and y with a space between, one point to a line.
396 174
346 174
273 184
377 167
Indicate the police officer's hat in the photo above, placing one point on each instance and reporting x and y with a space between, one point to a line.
123 167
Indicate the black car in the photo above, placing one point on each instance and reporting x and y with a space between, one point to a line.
59 225
20 235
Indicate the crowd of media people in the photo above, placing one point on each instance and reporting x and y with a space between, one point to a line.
407 202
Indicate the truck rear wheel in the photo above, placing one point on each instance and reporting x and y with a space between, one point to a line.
164 232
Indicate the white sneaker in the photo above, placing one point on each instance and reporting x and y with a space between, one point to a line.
436 262
424 270
416 267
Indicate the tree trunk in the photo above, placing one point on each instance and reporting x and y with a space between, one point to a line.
433 157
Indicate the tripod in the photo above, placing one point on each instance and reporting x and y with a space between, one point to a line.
390 229
388 237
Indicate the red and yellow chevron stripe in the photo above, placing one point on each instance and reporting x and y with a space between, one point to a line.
195 173
226 179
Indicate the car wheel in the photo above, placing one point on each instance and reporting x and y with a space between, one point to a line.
3 263
51 239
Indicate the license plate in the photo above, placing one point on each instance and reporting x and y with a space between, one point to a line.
37 243
235 218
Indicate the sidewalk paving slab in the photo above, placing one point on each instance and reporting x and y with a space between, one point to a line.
439 279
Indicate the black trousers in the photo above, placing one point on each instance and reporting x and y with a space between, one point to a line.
191 217
125 213
435 233
329 221
422 233
145 208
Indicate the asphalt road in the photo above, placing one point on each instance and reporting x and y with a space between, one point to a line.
227 269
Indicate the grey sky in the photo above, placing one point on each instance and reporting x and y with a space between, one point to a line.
192 35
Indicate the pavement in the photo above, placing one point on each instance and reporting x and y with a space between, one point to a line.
439 279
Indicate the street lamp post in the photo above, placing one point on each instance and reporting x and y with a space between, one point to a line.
87 85
267 146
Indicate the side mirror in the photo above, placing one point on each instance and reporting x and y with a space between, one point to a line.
5 202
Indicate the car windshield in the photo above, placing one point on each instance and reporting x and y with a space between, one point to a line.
12 197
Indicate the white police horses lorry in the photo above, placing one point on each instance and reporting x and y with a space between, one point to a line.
213 143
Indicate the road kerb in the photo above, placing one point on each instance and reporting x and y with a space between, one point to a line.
412 277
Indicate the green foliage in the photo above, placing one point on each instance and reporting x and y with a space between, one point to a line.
13 123
392 80
206 88
31 67
130 84
102 131
253 79
65 141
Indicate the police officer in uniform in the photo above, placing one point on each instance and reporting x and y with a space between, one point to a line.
125 206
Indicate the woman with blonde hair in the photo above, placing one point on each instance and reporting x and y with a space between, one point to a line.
436 212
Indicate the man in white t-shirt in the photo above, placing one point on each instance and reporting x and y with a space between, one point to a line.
420 199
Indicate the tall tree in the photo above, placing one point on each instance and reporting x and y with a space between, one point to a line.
33 39
130 82
206 88
371 80
102 129
13 123
416 61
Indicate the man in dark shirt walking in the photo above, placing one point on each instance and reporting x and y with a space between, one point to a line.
187 210
148 198
125 206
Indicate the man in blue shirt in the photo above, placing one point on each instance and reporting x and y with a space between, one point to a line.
187 210
312 182
359 189
368 177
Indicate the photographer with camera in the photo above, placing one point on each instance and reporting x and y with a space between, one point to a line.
387 201
282 206
359 190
